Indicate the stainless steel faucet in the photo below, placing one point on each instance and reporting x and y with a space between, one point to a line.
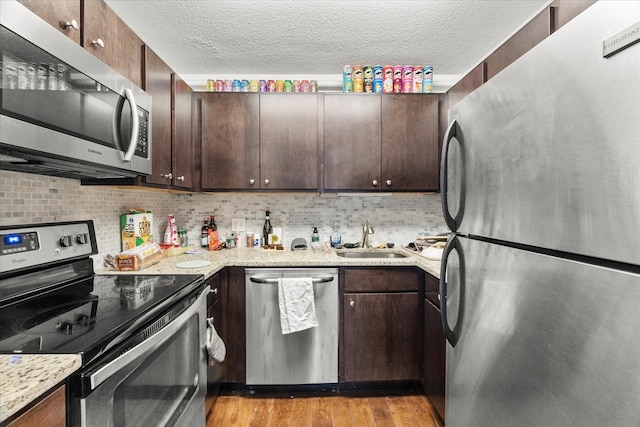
366 230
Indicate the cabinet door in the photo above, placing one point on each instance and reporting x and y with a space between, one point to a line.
289 141
158 84
122 48
233 307
434 357
410 142
380 332
182 138
352 137
50 412
58 13
230 141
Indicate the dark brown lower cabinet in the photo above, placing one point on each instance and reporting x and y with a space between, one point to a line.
233 307
434 350
380 325
50 412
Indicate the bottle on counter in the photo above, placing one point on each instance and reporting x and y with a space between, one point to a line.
213 233
267 229
315 237
204 234
336 239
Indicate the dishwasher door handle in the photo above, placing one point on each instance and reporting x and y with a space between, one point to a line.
275 281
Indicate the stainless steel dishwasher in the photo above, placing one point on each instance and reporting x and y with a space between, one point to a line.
304 357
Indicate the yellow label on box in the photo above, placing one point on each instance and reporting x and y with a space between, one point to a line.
136 229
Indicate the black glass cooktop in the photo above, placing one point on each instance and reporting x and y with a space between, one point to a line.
90 315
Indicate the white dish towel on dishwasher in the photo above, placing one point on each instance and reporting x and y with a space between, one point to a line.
297 305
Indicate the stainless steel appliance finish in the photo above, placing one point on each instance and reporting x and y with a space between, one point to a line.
72 116
141 338
305 357
541 280
550 149
160 382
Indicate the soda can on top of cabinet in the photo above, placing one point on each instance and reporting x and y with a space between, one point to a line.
271 86
262 85
427 82
313 85
377 78
347 79
211 85
407 79
358 78
367 73
228 85
417 79
244 85
236 85
387 78
288 86
397 79
304 86
279 86
296 85
219 86
253 86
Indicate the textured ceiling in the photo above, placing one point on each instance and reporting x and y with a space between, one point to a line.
201 39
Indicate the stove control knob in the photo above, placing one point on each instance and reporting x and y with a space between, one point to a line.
66 241
83 320
82 238
65 328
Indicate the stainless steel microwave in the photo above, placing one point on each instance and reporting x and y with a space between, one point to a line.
64 112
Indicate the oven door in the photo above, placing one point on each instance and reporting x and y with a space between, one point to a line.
159 382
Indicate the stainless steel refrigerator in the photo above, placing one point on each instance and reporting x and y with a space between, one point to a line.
541 277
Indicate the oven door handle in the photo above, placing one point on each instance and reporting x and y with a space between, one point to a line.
105 372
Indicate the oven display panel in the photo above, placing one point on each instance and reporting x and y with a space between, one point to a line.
18 242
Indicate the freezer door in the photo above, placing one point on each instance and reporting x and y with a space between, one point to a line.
539 340
547 153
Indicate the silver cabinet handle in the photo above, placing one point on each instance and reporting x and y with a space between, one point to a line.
375 182
180 178
352 303
389 182
266 182
166 175
70 24
97 43
272 281
252 181
214 291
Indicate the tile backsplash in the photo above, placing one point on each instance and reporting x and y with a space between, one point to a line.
28 199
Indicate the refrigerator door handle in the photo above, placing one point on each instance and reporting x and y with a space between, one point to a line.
454 131
452 335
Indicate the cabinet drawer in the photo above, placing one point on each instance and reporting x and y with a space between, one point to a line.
381 280
432 289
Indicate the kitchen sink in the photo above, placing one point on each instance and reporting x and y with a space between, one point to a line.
371 254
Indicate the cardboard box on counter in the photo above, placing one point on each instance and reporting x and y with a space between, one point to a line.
136 229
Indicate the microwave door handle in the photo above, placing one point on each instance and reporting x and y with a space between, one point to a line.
134 127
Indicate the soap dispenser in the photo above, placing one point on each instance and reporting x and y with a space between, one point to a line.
336 239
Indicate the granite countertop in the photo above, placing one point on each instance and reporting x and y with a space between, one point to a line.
25 377
250 257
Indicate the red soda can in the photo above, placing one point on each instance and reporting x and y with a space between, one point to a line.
397 79
271 86
304 86
219 86
387 79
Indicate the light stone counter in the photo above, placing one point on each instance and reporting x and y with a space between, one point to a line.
25 377
249 257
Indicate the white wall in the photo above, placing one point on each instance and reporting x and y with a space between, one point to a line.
27 199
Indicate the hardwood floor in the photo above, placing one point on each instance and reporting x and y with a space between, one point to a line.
324 410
